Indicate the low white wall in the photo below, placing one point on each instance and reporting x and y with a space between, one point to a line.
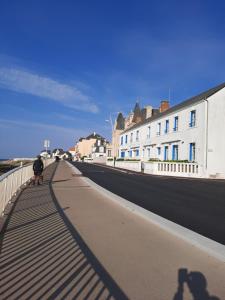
110 163
100 160
129 165
173 169
162 168
11 181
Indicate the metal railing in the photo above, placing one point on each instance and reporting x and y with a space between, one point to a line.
11 182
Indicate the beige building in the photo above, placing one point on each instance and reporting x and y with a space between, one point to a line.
119 127
86 146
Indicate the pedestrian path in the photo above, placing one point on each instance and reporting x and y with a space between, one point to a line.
65 240
44 257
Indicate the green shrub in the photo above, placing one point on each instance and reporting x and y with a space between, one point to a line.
132 159
177 161
153 159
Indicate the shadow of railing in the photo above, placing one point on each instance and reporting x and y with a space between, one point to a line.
44 257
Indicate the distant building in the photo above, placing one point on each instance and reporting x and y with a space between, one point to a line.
45 153
90 147
72 151
99 148
59 152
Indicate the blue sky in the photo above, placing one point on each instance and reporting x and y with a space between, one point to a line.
65 66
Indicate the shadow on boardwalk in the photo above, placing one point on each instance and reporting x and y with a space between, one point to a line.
44 257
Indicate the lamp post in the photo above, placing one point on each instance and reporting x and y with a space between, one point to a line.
110 120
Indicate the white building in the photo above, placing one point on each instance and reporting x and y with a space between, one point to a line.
191 134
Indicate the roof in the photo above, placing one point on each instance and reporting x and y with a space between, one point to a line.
137 113
44 151
188 102
71 149
94 136
60 151
120 122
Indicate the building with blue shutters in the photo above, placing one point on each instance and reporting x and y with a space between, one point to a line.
184 140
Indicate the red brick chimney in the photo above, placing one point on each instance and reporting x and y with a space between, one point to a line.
164 106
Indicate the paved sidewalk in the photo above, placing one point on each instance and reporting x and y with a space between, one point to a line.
77 244
143 259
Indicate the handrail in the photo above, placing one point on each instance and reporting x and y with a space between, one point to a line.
3 176
11 182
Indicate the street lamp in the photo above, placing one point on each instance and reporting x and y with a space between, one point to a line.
110 120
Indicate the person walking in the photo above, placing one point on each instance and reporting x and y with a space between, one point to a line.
38 167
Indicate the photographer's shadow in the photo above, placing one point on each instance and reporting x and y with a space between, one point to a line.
196 283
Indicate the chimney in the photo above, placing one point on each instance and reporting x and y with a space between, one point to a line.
164 106
148 111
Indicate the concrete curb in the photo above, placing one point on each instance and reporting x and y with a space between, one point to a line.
209 246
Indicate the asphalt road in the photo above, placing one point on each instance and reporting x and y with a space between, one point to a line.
197 204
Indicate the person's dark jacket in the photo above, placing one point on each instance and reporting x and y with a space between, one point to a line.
38 165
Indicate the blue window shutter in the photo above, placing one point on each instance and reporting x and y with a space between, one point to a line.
173 153
190 152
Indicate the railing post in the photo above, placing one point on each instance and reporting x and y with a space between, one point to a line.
21 175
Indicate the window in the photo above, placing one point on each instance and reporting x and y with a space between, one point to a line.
126 139
143 152
159 150
109 153
166 151
131 137
192 118
121 141
175 152
130 153
122 154
149 132
167 126
159 129
137 152
149 152
101 149
175 128
137 135
192 152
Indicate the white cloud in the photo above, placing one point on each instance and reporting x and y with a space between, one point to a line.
45 87
42 126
